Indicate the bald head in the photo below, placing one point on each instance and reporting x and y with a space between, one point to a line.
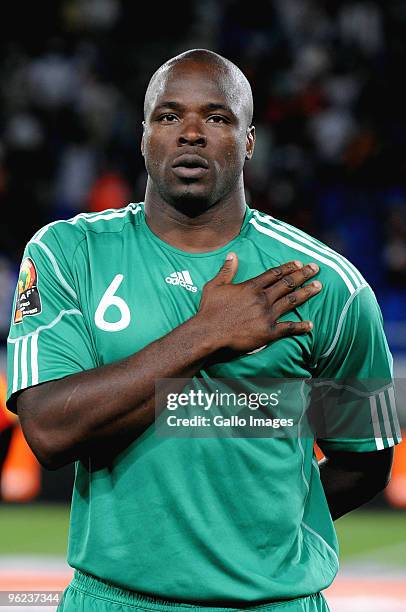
234 80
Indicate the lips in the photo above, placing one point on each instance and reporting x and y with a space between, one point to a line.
190 166
190 160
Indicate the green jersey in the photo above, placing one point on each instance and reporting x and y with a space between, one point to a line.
223 519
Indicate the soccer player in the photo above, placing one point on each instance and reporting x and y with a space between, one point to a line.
194 283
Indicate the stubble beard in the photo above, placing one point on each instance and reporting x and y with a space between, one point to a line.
188 202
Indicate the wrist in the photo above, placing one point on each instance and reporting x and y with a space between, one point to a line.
208 339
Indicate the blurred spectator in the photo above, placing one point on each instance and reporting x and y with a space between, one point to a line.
8 279
110 190
74 178
360 24
331 131
91 14
395 247
52 78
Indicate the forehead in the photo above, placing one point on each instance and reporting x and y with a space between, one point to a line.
193 84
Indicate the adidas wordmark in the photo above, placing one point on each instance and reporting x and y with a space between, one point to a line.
183 279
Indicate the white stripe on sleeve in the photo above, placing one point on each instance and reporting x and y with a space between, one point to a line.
375 423
392 404
34 359
24 364
16 366
386 422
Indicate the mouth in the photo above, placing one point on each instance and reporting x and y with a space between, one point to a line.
189 166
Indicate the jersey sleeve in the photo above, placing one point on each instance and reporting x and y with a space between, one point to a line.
49 338
355 409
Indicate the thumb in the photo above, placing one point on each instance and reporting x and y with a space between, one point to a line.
227 271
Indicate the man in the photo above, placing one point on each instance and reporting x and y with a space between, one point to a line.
193 283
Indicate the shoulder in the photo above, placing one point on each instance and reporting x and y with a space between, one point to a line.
54 249
69 233
284 242
346 308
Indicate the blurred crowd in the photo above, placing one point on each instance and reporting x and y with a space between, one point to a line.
329 111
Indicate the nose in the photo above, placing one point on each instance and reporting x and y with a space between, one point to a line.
192 134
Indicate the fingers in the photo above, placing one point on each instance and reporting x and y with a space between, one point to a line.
227 271
296 298
291 281
291 328
273 275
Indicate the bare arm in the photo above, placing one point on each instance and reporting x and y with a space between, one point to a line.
351 479
110 406
79 415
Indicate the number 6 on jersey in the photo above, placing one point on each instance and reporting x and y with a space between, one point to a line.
110 299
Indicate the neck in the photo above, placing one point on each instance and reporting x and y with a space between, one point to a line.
208 231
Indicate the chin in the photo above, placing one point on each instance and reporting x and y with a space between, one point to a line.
189 204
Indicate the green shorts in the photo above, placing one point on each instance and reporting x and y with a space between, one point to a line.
89 594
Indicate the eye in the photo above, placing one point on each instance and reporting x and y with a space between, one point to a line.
168 118
218 119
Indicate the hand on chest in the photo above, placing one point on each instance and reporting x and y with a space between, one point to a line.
130 308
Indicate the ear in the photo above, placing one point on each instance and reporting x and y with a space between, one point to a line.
142 139
250 142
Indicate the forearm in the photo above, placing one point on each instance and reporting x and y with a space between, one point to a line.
344 490
352 479
76 416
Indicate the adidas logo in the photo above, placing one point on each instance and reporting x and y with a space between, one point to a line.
183 279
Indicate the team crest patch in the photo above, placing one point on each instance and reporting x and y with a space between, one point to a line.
28 299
